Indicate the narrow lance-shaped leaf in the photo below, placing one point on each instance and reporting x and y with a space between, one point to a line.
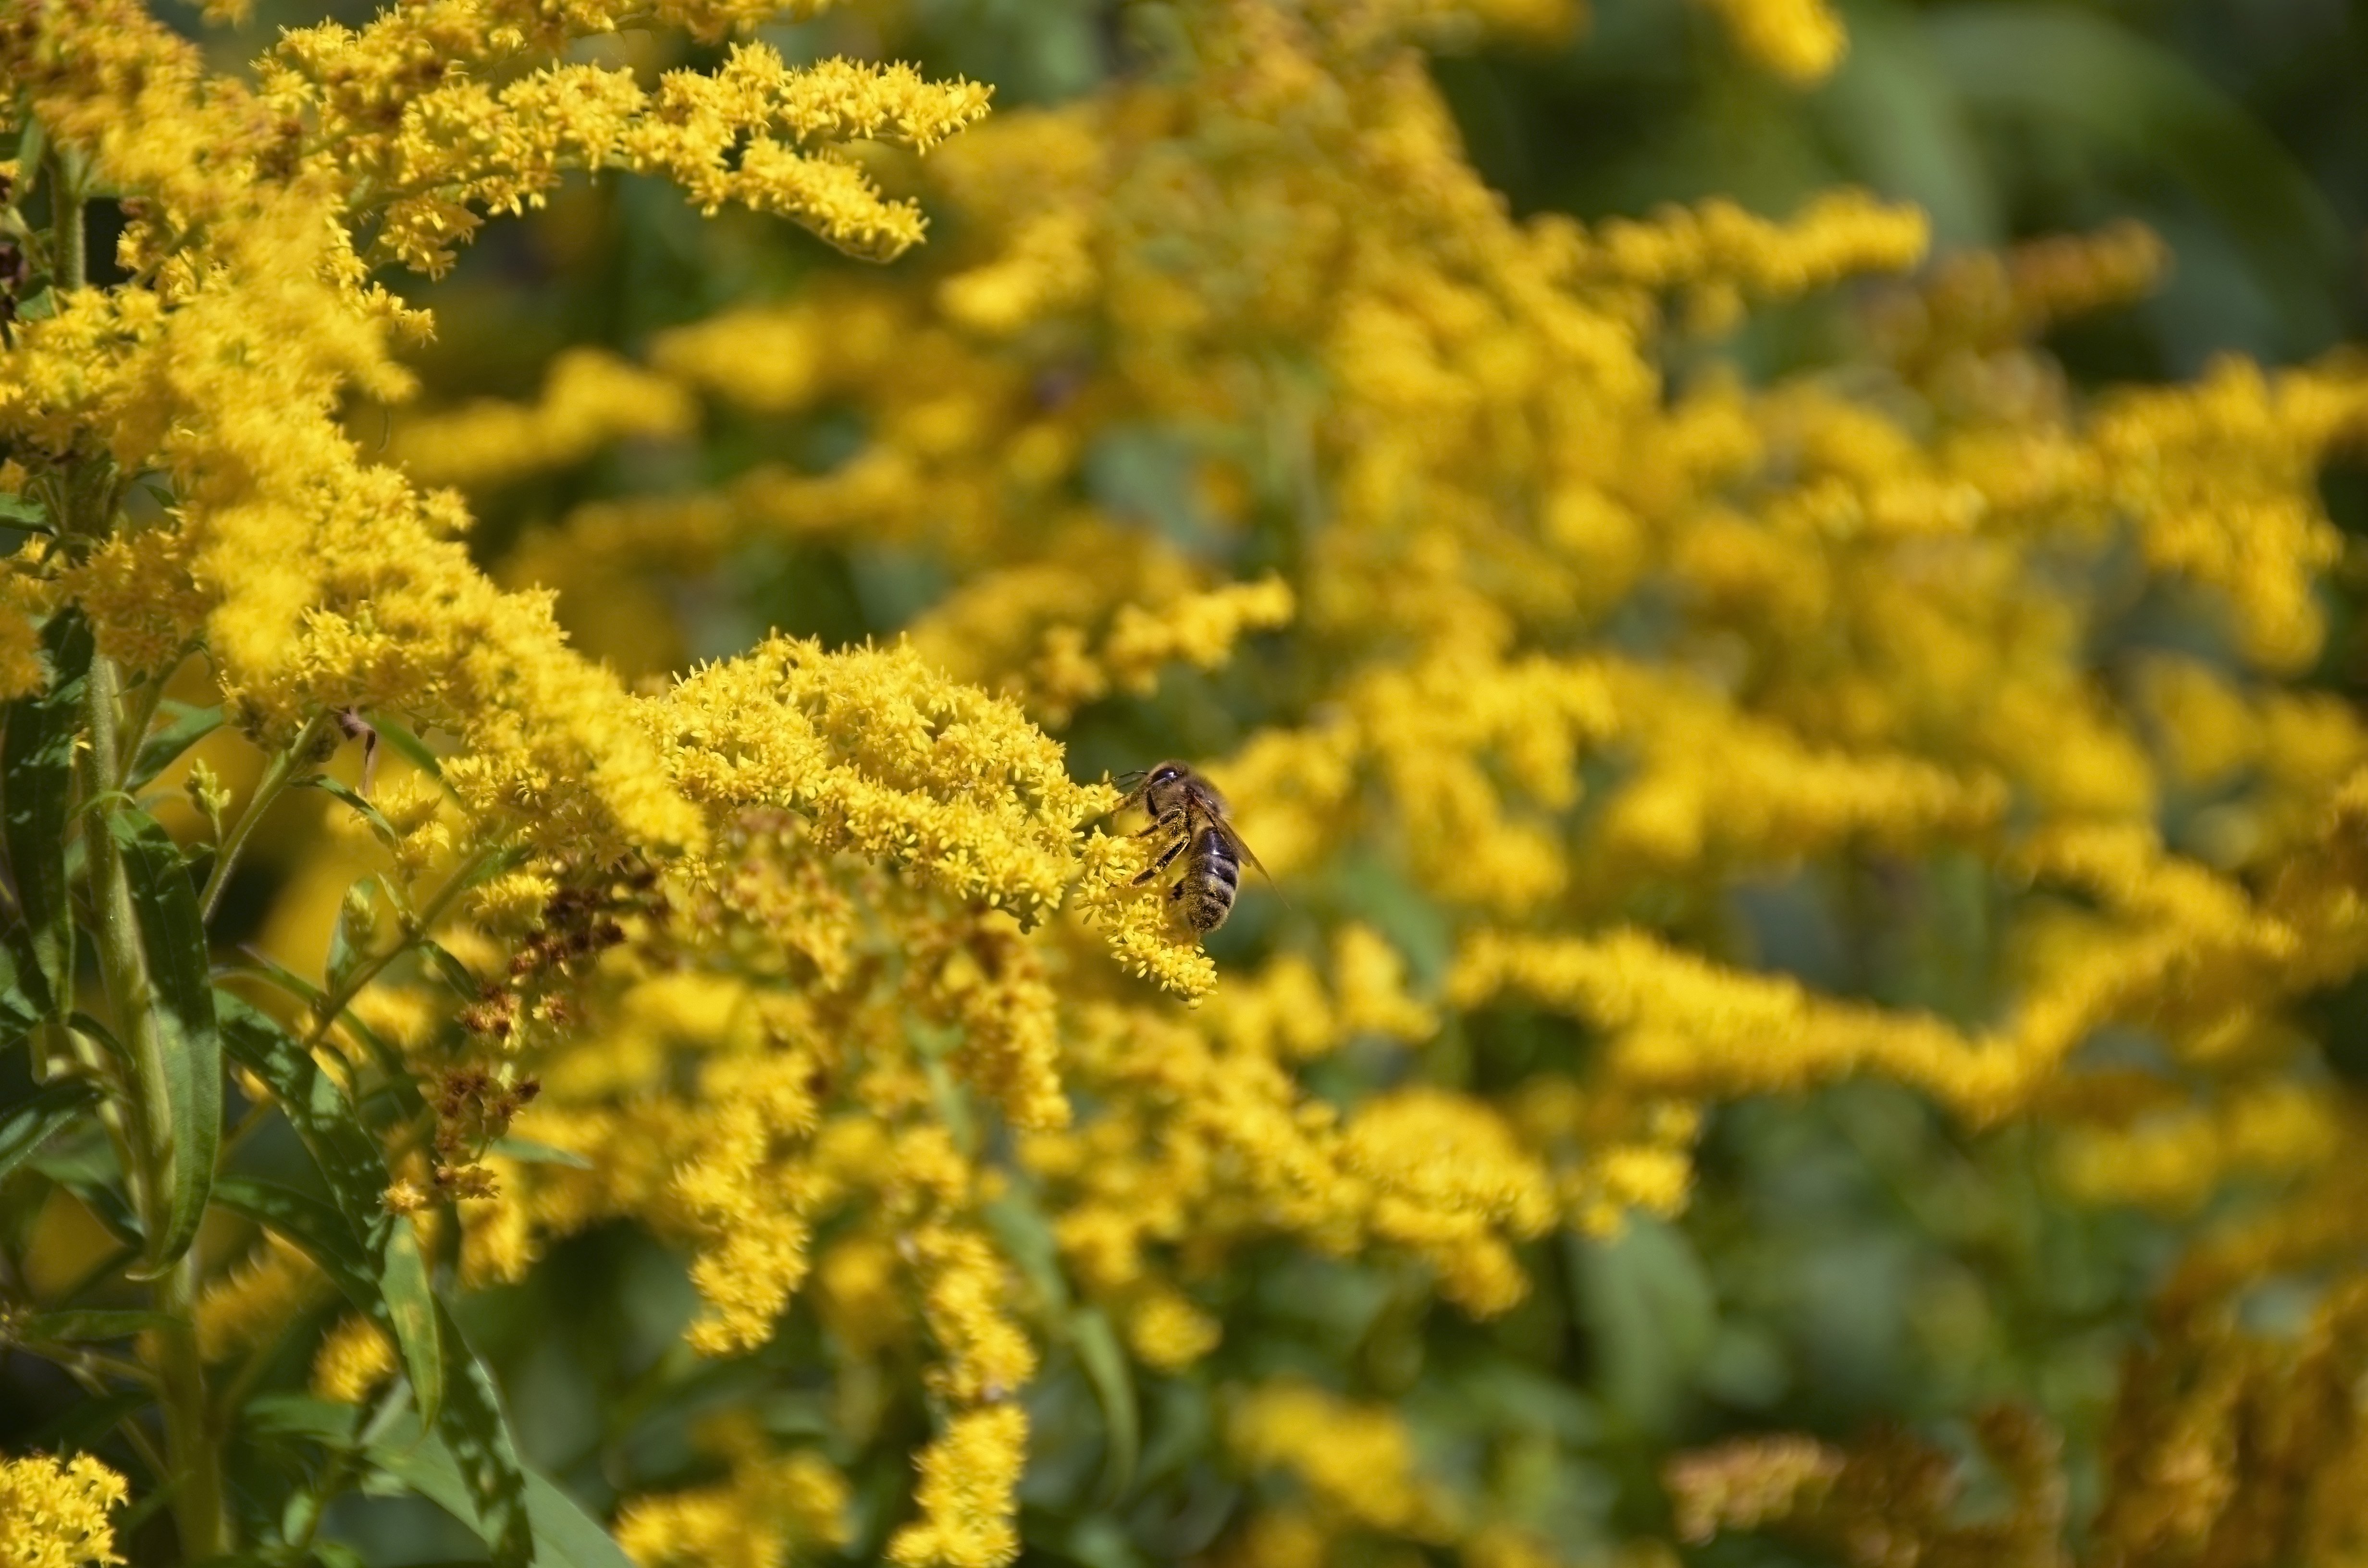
89 1327
352 1165
478 1434
184 727
313 1226
360 804
182 1080
24 990
565 1535
37 761
28 1125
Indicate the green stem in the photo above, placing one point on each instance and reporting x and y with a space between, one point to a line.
275 781
139 713
72 263
189 1445
336 1001
142 1443
190 1451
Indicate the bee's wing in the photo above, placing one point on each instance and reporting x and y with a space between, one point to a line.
1233 837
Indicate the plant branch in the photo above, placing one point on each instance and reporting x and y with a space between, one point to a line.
194 1459
327 1009
275 781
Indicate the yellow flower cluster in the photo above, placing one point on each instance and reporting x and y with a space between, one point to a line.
589 398
355 1358
426 149
1357 1463
968 1478
1891 1498
53 1512
1800 41
772 1508
885 757
251 1302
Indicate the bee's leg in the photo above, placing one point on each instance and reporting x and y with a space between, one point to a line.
1161 864
1168 818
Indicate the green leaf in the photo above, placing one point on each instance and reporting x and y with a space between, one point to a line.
82 1424
456 973
354 1169
183 1087
185 725
346 1152
412 1313
423 1465
361 804
528 1151
90 1176
1106 1368
36 759
312 1225
83 1024
392 1290
23 512
277 1415
270 969
29 1124
474 1428
32 146
23 994
80 1327
408 746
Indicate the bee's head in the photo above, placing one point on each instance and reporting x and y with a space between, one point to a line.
1165 773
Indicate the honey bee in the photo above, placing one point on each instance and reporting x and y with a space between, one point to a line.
1182 803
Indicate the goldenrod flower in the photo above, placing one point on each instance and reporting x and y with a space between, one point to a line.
53 1512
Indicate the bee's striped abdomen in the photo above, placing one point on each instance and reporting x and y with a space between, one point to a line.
1212 875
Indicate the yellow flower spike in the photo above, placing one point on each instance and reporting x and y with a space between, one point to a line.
240 1309
1370 980
991 980
1800 41
2173 1161
589 398
23 597
887 757
1357 1460
752 1206
1199 629
355 1358
970 1477
770 1509
965 1295
1447 1175
1168 1332
1135 922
